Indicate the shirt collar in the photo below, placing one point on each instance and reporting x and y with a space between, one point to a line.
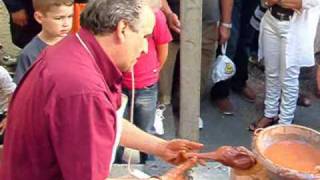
109 70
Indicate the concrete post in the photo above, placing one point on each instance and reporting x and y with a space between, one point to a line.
190 67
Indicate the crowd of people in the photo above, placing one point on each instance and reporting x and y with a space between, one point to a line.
78 58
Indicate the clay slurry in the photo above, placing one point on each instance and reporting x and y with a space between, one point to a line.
296 155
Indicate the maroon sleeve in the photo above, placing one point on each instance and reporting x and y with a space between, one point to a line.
83 134
161 32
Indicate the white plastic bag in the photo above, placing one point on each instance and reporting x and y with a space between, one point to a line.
223 67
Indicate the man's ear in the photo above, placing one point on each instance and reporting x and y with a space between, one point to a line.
121 30
38 16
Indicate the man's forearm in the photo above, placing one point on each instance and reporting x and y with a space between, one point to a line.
226 11
135 138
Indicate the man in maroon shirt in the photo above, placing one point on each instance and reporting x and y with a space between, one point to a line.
62 119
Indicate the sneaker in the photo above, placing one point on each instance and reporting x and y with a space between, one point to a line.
200 123
158 120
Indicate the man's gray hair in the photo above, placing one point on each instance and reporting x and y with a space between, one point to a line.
102 16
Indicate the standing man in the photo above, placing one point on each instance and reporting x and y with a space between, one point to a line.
62 121
236 51
216 28
23 26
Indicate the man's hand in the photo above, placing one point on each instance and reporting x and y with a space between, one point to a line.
236 157
3 125
174 151
224 34
20 17
174 22
179 172
176 173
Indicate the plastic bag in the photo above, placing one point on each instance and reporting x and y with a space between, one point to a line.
223 67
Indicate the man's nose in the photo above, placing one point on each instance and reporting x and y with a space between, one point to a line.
66 22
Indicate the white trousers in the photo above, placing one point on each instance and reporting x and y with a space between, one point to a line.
280 82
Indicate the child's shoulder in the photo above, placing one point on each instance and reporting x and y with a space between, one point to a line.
33 48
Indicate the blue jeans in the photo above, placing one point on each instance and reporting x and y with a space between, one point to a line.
144 113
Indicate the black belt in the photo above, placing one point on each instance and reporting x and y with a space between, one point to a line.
280 13
81 1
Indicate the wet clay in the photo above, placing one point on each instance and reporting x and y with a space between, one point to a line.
235 157
296 155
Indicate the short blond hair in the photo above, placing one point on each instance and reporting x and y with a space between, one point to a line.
45 5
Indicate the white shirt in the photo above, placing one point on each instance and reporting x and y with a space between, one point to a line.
301 36
302 33
7 86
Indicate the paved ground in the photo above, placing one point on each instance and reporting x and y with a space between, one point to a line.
232 130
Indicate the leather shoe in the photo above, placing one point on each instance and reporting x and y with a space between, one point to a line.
303 100
224 105
248 94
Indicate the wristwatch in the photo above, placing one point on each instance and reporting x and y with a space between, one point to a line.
226 25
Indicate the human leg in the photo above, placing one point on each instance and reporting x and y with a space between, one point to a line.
271 50
272 55
166 74
289 78
238 81
144 112
208 53
220 91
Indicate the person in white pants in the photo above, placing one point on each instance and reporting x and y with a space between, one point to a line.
286 43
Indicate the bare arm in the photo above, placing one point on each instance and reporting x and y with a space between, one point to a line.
291 4
226 10
165 7
135 138
162 53
172 18
270 3
176 173
170 151
226 7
